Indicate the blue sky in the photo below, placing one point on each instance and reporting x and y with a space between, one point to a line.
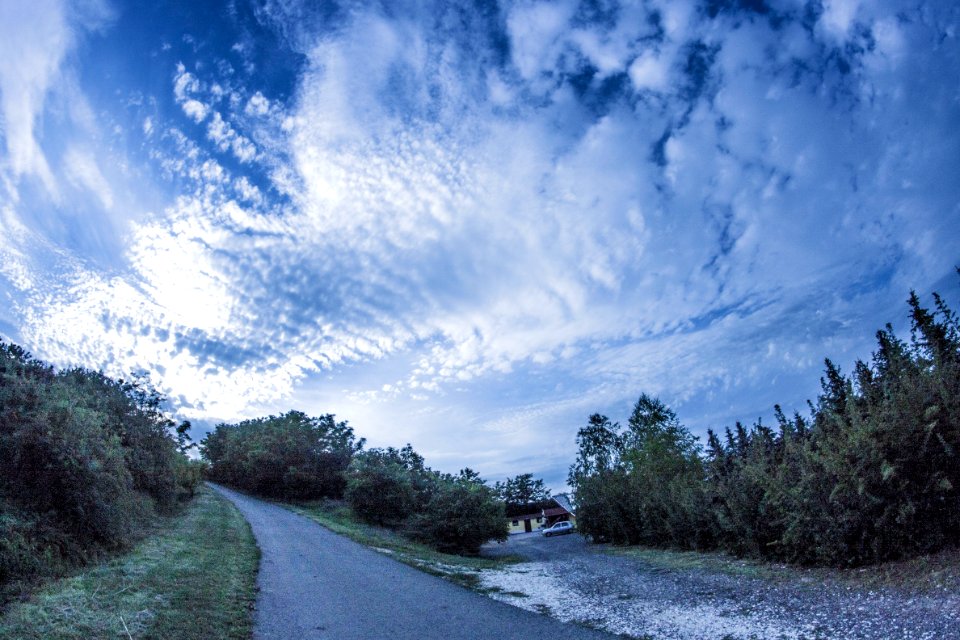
469 226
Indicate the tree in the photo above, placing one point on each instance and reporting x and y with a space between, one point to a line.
290 456
523 494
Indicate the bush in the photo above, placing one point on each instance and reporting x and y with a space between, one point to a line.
290 456
188 475
461 515
85 460
641 485
454 514
380 490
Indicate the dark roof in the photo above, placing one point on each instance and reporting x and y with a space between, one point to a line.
563 500
555 511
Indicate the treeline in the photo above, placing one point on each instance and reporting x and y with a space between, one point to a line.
296 457
871 474
85 462
291 456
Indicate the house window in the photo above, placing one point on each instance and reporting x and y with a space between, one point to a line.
539 519
515 522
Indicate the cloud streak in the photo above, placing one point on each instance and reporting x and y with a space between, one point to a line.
505 219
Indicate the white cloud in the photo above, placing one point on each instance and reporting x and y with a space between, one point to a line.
34 39
195 109
227 139
537 30
257 105
185 84
838 16
650 71
450 228
82 170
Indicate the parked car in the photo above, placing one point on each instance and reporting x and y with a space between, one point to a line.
558 529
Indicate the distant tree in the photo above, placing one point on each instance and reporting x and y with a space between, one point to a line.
184 442
599 481
523 494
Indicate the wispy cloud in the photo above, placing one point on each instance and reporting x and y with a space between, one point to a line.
544 206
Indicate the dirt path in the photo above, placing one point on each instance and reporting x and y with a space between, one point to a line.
316 584
576 581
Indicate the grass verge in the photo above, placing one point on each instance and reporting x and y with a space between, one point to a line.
938 572
337 516
194 578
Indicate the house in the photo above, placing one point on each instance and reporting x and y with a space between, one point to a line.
525 523
561 511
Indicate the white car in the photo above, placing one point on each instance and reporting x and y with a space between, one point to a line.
558 529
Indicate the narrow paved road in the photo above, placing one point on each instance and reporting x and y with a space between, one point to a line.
316 584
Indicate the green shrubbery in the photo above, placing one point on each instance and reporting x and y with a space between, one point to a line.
454 514
85 460
871 475
294 456
290 456
297 457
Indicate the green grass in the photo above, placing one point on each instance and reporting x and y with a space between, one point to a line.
192 578
338 517
925 574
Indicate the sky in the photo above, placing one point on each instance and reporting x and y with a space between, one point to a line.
469 226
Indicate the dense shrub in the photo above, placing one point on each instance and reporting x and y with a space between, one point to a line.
85 460
873 473
293 456
188 475
386 486
289 456
461 514
642 484
456 514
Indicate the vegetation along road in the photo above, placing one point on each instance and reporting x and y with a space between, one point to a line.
316 584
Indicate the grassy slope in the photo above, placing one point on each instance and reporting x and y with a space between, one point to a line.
194 578
338 518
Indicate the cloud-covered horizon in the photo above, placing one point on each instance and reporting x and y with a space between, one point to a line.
470 226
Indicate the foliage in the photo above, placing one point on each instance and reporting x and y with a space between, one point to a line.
454 514
523 494
289 456
382 486
296 457
871 475
461 514
86 459
642 484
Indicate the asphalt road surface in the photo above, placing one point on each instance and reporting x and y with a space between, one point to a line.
316 584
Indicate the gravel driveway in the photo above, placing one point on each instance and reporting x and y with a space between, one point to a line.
572 580
316 584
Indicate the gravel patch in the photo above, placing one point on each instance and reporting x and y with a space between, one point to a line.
626 596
